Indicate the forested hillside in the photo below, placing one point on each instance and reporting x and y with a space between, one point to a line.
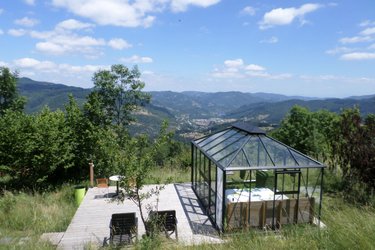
194 112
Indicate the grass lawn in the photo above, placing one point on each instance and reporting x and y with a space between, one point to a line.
25 215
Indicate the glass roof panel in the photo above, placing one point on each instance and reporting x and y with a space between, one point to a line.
233 144
223 144
199 140
240 160
210 138
256 153
218 140
237 147
225 161
279 153
303 160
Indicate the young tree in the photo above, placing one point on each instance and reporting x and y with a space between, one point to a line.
138 161
9 98
117 93
89 142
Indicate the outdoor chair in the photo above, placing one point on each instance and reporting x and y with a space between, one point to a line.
123 228
102 183
163 221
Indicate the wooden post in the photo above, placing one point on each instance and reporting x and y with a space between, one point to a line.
91 164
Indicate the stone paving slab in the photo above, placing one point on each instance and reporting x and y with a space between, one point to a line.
90 224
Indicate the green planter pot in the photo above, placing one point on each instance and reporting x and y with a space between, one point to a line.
79 194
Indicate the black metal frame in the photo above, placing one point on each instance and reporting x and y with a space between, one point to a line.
198 154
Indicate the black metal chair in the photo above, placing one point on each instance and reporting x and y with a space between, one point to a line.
123 228
164 221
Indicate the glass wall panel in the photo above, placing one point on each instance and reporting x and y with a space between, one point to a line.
194 167
287 182
206 188
219 199
212 210
310 183
239 179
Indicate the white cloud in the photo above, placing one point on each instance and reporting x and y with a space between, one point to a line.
29 2
248 10
77 75
137 59
35 64
17 32
237 69
372 46
272 39
235 63
355 39
367 23
182 5
137 13
254 67
66 39
285 16
27 22
368 31
118 43
113 12
72 24
357 56
1 32
339 50
67 43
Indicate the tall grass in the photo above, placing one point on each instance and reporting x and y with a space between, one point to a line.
163 174
24 217
348 227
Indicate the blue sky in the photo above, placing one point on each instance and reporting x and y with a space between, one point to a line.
309 48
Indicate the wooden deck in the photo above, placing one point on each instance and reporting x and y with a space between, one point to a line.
90 224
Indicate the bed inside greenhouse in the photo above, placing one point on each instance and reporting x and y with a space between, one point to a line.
246 179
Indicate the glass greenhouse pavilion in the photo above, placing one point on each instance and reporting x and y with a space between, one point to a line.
246 179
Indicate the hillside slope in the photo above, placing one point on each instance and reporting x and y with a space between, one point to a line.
192 112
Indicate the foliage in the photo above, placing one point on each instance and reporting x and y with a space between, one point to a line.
355 146
117 92
308 132
344 142
137 163
9 98
36 149
89 143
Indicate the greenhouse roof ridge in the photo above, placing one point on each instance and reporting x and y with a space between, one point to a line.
247 127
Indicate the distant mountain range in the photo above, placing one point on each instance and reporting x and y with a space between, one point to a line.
53 95
191 111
